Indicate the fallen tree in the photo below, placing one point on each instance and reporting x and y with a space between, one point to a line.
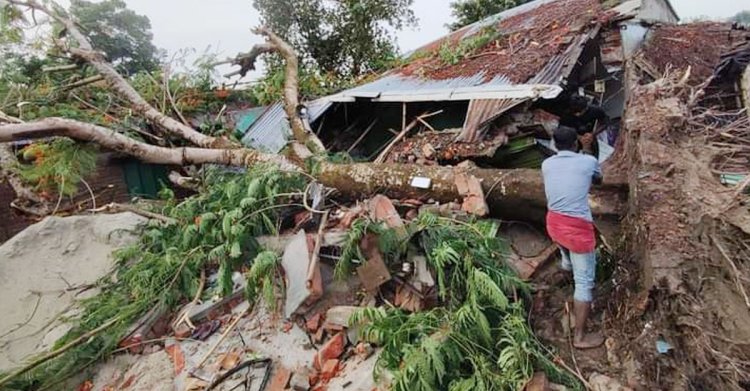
510 192
516 193
214 229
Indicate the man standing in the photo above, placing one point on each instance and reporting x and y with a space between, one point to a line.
567 180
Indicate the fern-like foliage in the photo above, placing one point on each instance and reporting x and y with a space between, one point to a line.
391 243
263 278
478 339
214 230
57 166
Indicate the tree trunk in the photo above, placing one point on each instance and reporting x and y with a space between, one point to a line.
510 193
517 193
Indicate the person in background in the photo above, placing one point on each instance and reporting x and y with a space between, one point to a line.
567 180
587 120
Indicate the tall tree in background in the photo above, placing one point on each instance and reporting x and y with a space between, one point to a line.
348 37
469 11
742 17
124 36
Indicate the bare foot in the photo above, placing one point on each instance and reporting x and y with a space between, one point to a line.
588 341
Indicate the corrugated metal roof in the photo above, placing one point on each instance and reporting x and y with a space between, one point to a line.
400 88
244 119
483 111
271 131
395 86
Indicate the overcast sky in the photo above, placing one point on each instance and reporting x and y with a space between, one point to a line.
224 25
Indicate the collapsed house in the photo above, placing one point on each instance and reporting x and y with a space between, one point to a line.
491 92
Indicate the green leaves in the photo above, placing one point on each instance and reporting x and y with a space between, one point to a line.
214 229
484 287
469 11
124 36
337 42
478 339
235 251
58 166
263 277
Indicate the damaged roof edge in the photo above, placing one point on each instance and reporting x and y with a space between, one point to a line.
271 130
508 91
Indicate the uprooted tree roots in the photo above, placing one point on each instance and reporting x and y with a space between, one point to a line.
688 239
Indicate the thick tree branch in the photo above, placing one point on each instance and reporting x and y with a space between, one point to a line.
515 193
274 43
86 52
148 153
246 61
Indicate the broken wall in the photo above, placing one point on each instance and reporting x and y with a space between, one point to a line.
657 11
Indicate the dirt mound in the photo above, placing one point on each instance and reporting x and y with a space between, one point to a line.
45 269
687 237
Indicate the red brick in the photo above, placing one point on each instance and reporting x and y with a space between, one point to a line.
334 348
330 370
313 324
333 327
314 377
280 379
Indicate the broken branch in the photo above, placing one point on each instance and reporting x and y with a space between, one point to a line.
115 207
59 68
82 131
82 82
41 360
86 52
291 83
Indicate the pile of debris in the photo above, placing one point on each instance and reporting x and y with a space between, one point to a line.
697 45
520 139
319 342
